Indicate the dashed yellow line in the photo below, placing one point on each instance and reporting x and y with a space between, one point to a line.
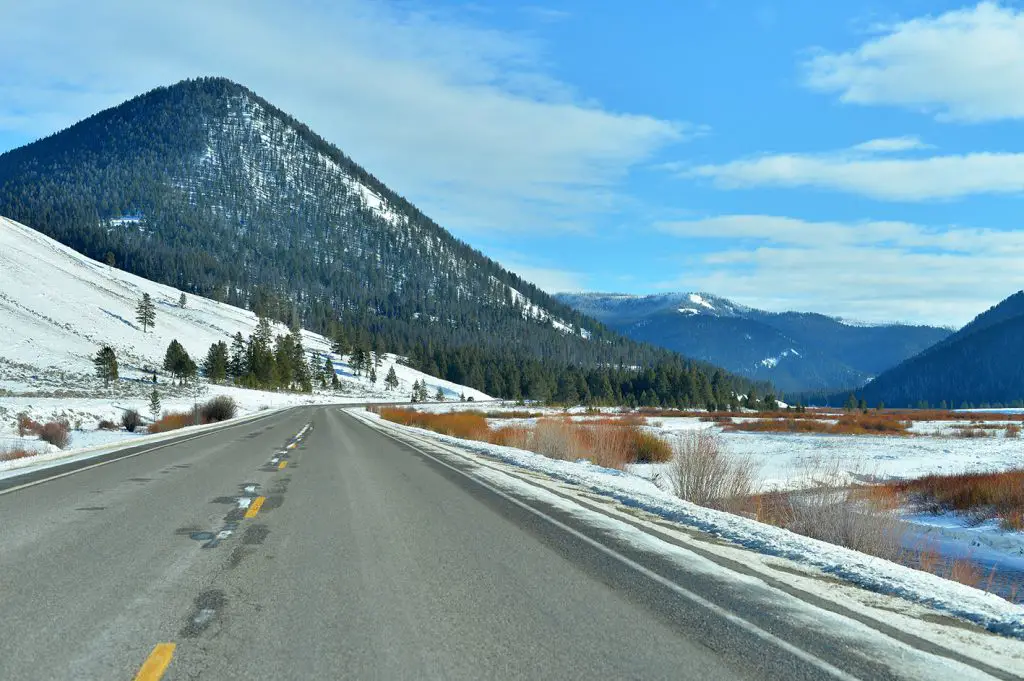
156 664
281 465
255 507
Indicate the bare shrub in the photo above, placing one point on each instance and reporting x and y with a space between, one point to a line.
220 408
704 473
27 425
557 439
131 419
106 424
1012 430
57 433
511 437
837 516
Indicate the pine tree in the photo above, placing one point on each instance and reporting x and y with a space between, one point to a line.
416 391
182 301
851 402
237 365
423 394
439 396
216 364
105 362
154 404
329 371
373 375
391 380
178 362
145 312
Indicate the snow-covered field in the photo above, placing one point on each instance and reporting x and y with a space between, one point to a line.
58 307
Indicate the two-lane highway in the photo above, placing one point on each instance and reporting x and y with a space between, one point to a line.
308 545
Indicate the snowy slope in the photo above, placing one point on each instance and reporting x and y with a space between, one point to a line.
58 307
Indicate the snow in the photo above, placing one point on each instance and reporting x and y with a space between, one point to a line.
699 300
895 595
52 331
533 311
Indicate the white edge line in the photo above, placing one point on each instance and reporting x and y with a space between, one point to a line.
132 456
650 574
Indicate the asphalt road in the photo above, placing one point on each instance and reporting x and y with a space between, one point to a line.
350 556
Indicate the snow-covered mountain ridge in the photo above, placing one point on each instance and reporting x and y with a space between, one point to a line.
796 351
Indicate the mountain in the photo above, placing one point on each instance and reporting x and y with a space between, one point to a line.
207 187
981 364
796 351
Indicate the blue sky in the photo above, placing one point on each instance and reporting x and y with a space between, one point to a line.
861 159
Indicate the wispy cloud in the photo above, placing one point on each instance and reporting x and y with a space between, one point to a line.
546 14
870 270
879 169
463 119
961 65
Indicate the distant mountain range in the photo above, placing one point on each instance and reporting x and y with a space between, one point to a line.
982 364
796 351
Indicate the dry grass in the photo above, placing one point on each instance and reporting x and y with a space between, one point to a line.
981 495
469 425
16 452
1012 430
852 424
172 420
612 442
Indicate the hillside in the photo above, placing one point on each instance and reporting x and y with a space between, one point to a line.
979 365
795 351
206 187
58 307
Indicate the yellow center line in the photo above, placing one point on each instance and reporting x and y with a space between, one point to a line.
293 445
282 465
255 507
155 665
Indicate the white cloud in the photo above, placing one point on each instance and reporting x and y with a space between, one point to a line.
962 65
891 144
548 279
875 271
463 120
888 178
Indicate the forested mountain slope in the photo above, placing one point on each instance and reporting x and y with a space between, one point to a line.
209 188
980 365
796 351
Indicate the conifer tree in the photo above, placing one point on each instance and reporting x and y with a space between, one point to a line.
182 301
216 364
439 396
237 365
329 371
105 362
391 380
145 312
154 404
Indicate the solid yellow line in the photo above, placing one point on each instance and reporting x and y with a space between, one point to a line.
255 507
293 445
155 665
282 465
